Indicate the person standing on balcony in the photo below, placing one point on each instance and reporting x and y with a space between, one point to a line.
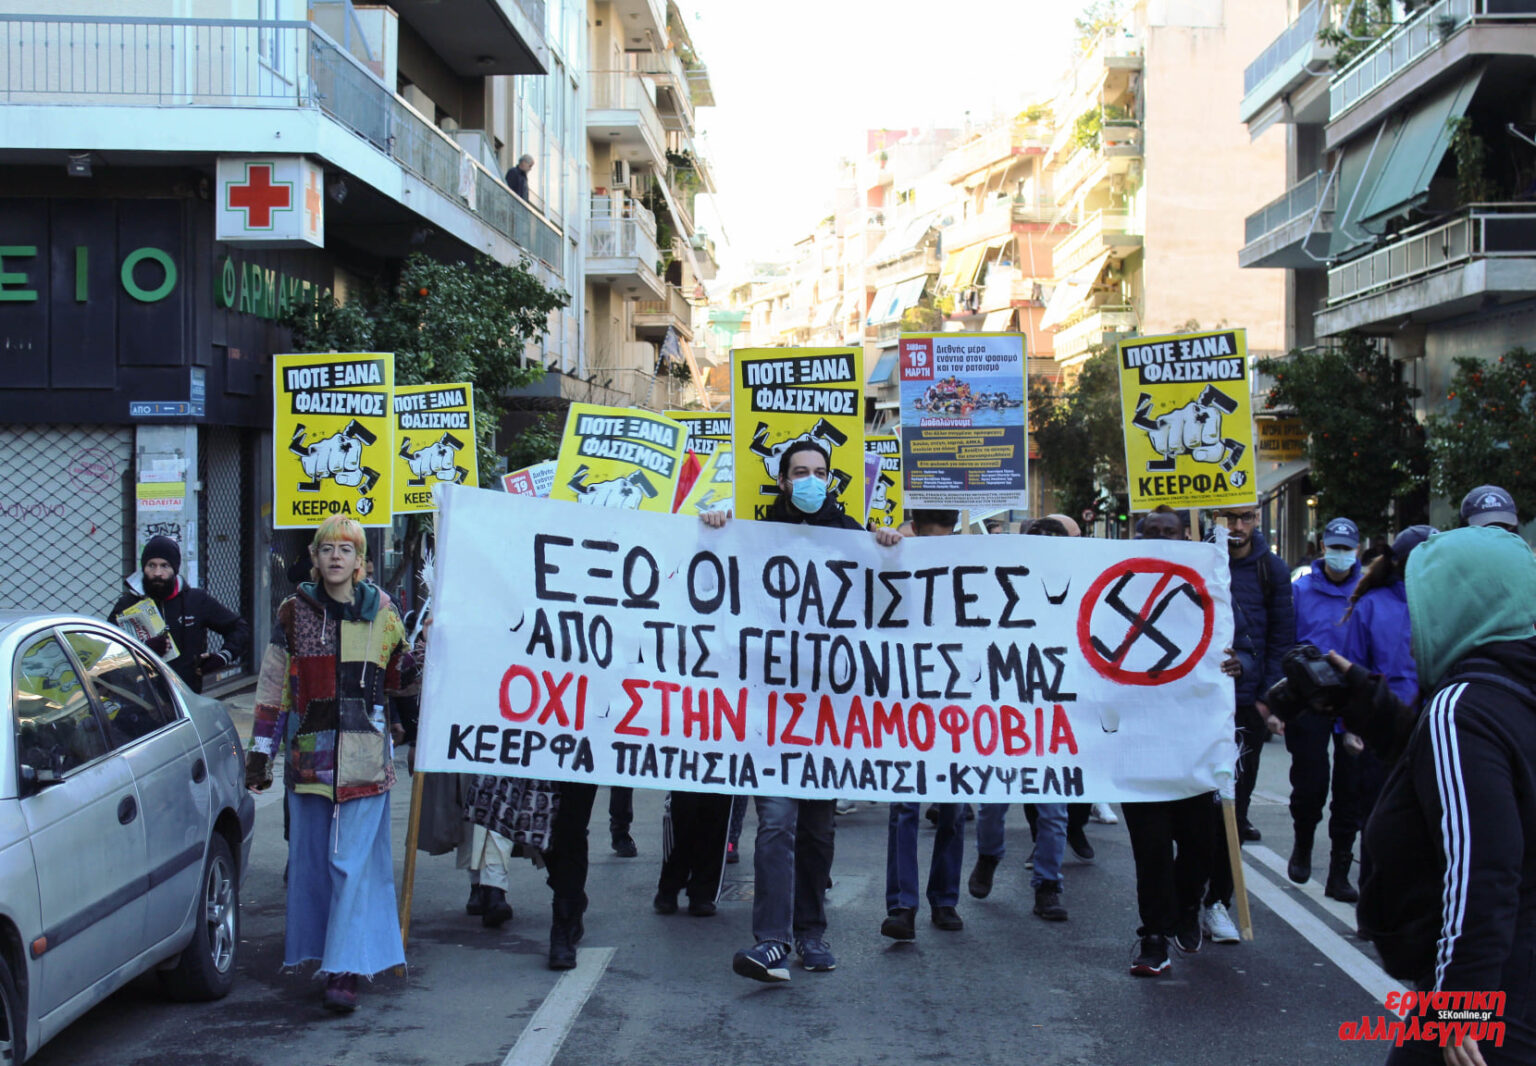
517 177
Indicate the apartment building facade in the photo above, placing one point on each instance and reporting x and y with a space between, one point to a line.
1383 230
141 333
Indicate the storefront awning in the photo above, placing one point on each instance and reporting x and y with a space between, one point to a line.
1422 141
960 267
885 368
1272 477
1072 291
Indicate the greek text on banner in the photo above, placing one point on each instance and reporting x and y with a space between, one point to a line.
628 648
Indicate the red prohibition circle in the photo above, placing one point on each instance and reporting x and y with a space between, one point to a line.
1158 567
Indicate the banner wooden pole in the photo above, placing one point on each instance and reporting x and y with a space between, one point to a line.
408 887
1229 807
965 520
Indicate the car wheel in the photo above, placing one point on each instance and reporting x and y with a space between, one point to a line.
13 1020
206 968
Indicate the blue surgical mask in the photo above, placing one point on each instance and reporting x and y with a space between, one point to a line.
808 494
1339 560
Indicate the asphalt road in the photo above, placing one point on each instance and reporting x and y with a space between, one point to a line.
1009 988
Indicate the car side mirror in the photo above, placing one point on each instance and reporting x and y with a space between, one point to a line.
35 780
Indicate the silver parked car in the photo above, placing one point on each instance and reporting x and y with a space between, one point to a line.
124 827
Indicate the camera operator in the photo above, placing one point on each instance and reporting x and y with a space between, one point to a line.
1450 900
1322 597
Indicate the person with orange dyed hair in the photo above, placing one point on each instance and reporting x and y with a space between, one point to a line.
338 651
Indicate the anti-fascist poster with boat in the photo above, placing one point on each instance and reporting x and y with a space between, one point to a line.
618 457
1188 420
332 438
964 413
434 442
784 395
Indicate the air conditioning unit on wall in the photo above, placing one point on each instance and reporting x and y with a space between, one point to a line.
620 174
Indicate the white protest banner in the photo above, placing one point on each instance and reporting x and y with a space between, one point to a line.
625 648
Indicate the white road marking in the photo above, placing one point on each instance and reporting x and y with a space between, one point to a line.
551 1023
1355 964
1342 911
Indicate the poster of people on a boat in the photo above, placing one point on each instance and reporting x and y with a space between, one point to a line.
964 409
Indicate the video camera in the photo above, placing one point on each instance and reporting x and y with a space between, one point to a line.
1311 683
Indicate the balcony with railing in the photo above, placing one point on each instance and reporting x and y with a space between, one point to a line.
653 317
994 220
231 71
924 260
1110 230
1086 167
1101 325
1484 256
622 114
1290 60
1298 221
621 247
666 70
996 144
1439 25
703 250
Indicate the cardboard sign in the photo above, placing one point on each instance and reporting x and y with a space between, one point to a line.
706 429
716 487
964 421
885 496
784 395
535 480
332 438
788 660
435 431
1188 420
618 457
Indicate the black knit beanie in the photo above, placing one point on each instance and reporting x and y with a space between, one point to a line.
161 548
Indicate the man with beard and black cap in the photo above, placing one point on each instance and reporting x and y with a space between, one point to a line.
188 612
792 858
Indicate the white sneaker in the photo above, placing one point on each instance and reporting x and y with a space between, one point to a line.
1218 924
1104 814
845 807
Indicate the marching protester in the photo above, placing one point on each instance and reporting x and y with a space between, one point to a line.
697 825
188 614
792 855
1264 630
1450 897
943 889
1048 822
338 651
1322 600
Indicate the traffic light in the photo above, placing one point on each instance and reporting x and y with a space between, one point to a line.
1122 508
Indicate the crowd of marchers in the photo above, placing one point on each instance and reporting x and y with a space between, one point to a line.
1402 677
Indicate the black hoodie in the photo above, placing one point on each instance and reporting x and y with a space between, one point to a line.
189 613
830 515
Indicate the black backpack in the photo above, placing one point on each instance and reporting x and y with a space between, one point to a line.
1400 907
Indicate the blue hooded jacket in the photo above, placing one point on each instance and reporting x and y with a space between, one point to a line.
1320 607
1261 634
1379 638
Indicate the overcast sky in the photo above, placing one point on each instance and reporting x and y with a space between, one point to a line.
798 81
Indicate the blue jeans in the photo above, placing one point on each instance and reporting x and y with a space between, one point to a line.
989 829
791 867
901 857
1050 843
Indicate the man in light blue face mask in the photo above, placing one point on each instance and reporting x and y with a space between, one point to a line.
1322 598
792 856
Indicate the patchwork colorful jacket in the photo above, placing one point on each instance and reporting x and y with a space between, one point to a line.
327 678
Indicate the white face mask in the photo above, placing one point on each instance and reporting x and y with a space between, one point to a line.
1339 560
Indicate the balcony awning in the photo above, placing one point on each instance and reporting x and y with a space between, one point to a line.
826 312
1421 144
853 300
1072 291
998 321
892 300
885 368
905 238
1361 165
960 267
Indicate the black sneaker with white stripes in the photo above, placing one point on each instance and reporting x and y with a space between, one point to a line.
766 961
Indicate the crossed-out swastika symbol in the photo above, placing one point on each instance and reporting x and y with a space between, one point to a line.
1109 660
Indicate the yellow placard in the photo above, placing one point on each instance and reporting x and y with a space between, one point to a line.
714 490
784 395
619 457
161 495
1188 420
1280 440
706 429
885 499
332 438
435 442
